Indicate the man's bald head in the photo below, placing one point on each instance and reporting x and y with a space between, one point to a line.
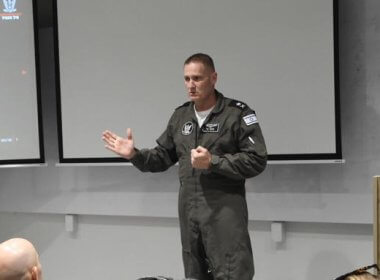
19 260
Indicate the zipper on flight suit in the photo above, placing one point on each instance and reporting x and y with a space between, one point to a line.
196 127
196 142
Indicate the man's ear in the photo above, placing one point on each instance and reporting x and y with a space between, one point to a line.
35 273
214 77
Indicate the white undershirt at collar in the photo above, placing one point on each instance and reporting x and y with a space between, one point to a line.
202 115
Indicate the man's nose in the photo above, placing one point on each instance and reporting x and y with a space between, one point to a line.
191 83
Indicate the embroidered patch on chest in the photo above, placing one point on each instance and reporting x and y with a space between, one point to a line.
187 128
250 119
211 127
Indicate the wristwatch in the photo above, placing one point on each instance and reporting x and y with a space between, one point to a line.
214 161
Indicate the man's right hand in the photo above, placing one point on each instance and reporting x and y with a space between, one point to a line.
122 146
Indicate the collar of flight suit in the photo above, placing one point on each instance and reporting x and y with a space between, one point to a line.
219 105
219 102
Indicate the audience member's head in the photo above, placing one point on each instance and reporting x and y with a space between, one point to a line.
19 260
361 274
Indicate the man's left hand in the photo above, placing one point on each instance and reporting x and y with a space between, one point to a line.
200 158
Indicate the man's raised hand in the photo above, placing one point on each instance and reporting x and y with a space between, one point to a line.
122 146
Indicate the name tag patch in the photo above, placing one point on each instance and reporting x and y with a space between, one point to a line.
211 127
250 119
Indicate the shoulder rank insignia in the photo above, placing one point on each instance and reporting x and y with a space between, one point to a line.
238 104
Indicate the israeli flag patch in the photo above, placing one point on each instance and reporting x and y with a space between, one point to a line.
250 119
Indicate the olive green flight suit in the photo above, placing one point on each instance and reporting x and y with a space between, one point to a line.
212 206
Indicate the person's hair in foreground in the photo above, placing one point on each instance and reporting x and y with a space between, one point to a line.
19 260
363 276
360 274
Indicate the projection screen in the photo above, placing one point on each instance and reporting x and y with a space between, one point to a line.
20 117
120 65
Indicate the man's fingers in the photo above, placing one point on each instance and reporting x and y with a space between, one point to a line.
106 140
201 149
129 134
195 154
198 150
109 147
109 138
109 135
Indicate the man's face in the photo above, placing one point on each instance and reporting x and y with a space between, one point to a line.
199 82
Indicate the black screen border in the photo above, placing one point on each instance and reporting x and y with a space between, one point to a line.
41 158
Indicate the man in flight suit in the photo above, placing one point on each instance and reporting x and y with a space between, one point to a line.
218 144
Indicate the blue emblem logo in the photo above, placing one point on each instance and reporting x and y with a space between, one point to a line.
9 6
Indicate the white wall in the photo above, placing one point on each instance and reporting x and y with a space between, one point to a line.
105 247
329 194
